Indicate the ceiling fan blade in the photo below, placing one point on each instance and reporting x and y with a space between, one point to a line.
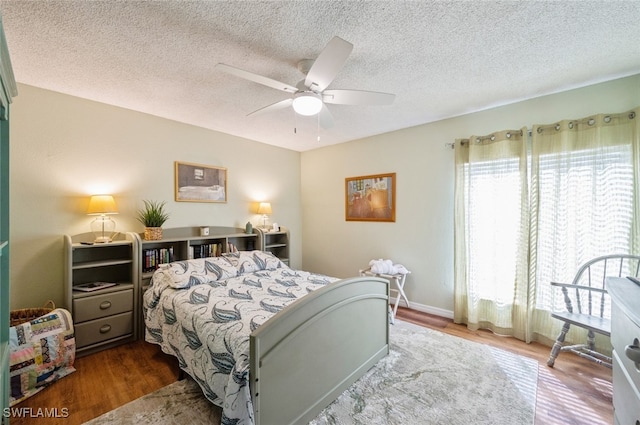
256 78
357 97
273 107
328 64
326 119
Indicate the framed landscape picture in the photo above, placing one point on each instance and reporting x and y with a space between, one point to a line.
371 198
200 183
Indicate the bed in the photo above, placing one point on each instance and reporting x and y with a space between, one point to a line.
269 344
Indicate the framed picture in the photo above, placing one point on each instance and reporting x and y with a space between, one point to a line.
200 183
370 198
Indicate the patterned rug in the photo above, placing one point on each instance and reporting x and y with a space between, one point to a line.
428 378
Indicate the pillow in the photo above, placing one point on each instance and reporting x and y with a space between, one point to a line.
41 352
252 261
185 274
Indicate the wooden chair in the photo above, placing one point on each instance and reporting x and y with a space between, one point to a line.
588 305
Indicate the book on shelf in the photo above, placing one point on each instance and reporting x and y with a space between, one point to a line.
205 250
154 257
93 286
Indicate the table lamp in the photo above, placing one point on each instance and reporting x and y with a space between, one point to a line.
264 209
103 226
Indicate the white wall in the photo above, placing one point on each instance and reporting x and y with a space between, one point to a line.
422 236
63 149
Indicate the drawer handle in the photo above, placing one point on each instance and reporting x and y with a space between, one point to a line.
632 351
105 305
105 328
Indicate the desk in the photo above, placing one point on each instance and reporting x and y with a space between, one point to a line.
398 279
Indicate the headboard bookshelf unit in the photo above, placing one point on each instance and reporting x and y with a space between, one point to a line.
183 243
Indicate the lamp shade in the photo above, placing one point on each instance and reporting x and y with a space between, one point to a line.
264 208
102 204
307 103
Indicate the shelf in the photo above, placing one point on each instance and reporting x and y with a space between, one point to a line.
118 287
277 243
88 264
92 245
186 243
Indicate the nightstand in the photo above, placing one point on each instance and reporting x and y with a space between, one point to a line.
105 317
274 242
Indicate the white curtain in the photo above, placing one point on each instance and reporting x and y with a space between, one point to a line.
491 232
529 210
584 204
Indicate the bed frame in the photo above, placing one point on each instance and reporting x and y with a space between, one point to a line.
306 355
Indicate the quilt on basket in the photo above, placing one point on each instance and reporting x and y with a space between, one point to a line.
203 311
41 352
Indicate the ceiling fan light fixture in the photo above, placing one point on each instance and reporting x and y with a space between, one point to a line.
307 103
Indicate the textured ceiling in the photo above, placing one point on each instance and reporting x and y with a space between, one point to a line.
441 59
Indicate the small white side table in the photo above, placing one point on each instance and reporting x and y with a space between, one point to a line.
399 280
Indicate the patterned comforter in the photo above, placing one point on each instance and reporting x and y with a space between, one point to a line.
203 311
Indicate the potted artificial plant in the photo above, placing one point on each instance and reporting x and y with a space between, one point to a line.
153 217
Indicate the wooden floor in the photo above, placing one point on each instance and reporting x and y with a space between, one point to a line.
575 391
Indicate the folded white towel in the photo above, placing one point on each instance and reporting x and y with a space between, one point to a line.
386 267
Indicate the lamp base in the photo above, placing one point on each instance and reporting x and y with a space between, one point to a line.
103 239
103 228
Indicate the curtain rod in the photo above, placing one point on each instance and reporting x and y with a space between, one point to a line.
452 145
571 123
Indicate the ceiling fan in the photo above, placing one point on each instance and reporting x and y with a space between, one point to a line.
310 95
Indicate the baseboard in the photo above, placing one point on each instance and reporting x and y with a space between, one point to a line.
436 311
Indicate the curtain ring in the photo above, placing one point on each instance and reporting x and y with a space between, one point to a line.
539 130
632 115
508 135
591 121
557 127
493 137
570 124
607 119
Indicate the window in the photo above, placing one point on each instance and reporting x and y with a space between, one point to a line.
493 194
585 210
532 208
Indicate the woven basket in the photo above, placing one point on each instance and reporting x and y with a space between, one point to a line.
152 233
24 315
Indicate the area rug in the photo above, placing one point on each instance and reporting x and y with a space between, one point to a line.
427 378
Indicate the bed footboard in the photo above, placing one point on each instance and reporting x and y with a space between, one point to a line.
305 356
